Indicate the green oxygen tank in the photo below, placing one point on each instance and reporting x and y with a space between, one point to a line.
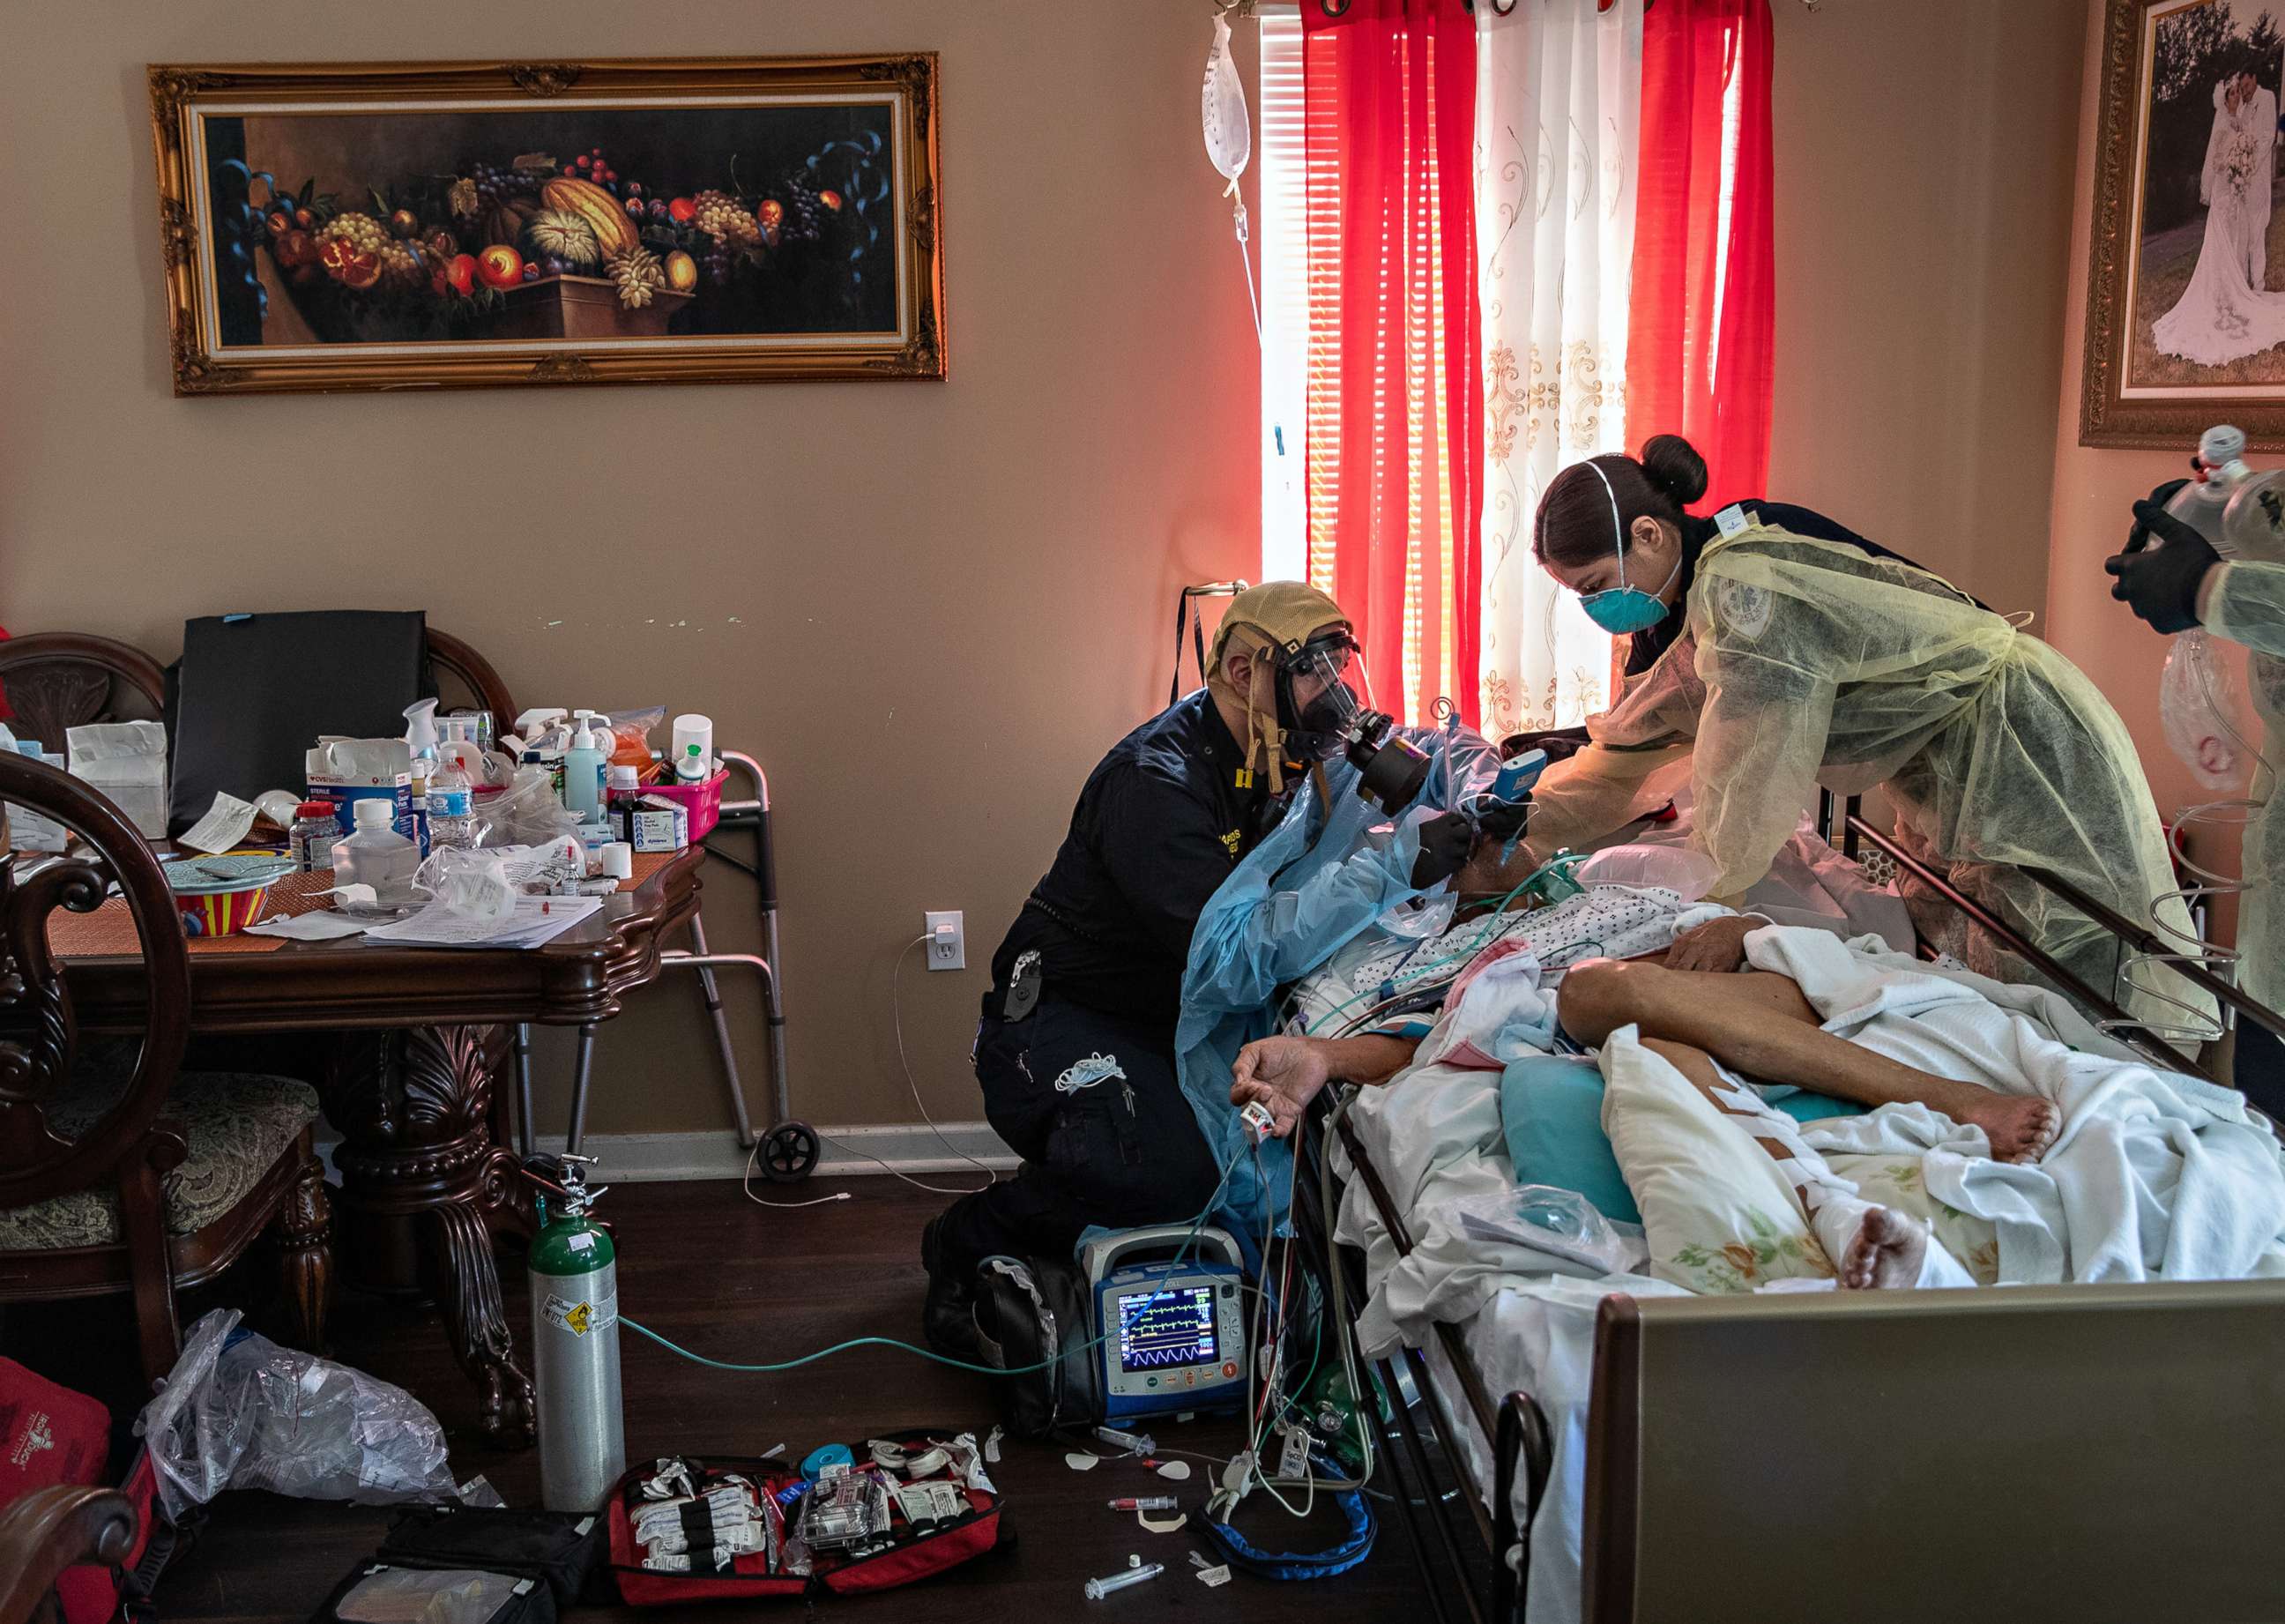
574 1343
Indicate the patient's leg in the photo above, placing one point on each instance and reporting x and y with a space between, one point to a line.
1872 1248
1759 1023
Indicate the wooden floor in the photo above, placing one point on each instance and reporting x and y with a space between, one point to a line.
701 1265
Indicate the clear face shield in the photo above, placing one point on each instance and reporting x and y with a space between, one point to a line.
1315 695
1327 698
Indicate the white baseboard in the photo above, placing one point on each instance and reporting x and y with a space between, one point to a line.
900 1147
908 1148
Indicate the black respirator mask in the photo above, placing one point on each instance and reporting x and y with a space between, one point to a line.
1340 721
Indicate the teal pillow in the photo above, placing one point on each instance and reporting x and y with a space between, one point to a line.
1551 1109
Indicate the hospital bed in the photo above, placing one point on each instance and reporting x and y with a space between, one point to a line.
2065 1452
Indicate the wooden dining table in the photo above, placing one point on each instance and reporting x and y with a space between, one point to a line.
413 1051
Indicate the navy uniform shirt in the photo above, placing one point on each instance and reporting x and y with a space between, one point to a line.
1163 820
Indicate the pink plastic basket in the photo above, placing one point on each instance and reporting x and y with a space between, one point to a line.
701 801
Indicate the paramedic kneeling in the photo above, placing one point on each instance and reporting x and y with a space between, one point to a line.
1076 1049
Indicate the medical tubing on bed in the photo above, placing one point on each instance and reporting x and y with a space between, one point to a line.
1197 1226
1358 1393
1420 972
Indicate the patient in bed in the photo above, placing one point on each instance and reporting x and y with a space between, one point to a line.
1754 1023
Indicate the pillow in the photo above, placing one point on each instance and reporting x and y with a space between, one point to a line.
1551 1109
1688 873
1717 1214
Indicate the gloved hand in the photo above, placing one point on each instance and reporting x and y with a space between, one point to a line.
1446 842
2160 583
1502 821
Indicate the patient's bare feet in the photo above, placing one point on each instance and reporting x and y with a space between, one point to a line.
1886 1253
2020 1128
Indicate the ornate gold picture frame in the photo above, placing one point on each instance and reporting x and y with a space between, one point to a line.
2186 279
460 224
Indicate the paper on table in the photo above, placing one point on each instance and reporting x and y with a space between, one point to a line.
320 925
537 919
223 827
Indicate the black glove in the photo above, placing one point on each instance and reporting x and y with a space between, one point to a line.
2160 583
1502 821
1446 843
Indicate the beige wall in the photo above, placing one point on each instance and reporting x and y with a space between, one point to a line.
929 608
2091 492
1925 188
926 608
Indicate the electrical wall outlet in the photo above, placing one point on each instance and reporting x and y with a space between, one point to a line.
948 940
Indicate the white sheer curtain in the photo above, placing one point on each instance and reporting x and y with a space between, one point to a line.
1558 92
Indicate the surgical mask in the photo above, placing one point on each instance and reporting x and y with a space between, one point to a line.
1623 609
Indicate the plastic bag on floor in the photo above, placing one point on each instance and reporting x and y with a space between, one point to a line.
239 1411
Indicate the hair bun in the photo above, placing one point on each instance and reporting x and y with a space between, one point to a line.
1672 464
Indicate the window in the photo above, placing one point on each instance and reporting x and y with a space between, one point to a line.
1284 246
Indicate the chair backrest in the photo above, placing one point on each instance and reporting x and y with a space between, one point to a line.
60 679
37 1033
2027 1452
472 672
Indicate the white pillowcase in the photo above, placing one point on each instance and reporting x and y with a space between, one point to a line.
1717 1213
1688 873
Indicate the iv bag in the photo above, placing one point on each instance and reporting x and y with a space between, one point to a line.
1230 134
2192 693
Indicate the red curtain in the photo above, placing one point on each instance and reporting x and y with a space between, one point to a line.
1702 327
1394 419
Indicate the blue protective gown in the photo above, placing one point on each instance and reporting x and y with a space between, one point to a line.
1316 884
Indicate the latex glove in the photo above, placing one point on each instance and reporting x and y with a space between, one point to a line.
1281 1074
1446 842
2160 583
1719 944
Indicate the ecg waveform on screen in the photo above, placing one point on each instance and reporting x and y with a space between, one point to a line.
1177 1329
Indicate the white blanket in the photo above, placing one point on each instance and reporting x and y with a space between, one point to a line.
2155 1174
2156 1161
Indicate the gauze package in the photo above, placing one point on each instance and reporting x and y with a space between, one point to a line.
127 761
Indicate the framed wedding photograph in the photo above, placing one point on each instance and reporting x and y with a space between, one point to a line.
452 224
2185 299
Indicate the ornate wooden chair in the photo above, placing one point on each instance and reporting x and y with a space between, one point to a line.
50 1530
118 1174
60 679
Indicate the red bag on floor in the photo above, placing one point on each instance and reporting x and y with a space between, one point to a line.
50 1436
731 1525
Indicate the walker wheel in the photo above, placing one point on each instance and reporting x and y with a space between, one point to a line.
789 1153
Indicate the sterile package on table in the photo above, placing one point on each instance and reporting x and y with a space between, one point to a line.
379 1592
885 1513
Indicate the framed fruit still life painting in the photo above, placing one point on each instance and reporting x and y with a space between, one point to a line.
448 224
